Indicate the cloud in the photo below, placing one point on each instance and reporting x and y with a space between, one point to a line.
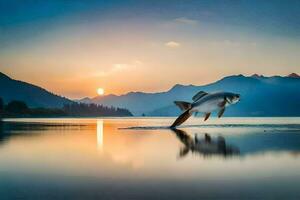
138 62
172 44
113 69
119 67
185 20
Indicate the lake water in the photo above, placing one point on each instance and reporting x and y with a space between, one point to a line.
140 158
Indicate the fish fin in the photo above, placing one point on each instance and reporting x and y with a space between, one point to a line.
206 116
207 138
199 95
183 152
183 105
223 103
221 112
182 118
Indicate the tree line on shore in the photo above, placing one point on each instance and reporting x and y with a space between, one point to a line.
20 109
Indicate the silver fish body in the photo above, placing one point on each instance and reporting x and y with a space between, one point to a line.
210 102
205 103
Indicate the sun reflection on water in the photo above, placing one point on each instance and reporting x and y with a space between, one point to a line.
100 134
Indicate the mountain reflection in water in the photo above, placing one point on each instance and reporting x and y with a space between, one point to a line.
94 158
194 140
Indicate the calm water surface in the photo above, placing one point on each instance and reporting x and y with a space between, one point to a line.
140 158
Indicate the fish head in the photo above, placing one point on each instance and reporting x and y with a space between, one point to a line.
232 98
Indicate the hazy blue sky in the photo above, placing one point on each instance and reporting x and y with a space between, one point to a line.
72 47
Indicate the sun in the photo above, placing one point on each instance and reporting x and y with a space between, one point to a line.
100 91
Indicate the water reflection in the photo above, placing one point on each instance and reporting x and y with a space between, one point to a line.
238 144
135 164
262 142
206 146
100 134
10 130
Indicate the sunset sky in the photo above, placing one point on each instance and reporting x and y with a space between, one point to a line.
74 47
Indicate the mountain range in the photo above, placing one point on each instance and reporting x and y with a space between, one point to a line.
260 96
32 95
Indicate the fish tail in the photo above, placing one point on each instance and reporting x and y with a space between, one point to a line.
182 118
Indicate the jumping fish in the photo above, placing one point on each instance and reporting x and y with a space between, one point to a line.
205 103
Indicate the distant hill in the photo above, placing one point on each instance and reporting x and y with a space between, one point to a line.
260 96
32 95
